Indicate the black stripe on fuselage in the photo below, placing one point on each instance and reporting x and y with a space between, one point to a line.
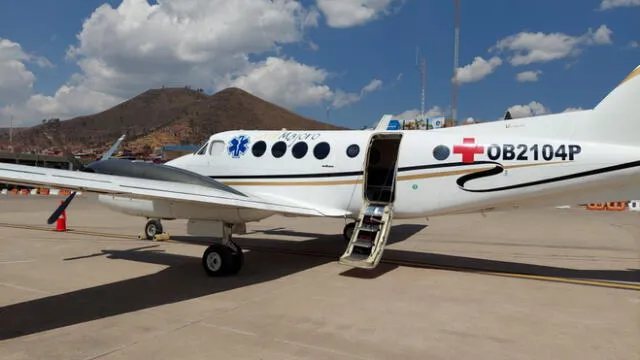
499 169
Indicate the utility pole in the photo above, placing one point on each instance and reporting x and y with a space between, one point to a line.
421 65
456 44
11 134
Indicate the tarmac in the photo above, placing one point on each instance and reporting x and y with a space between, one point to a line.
526 284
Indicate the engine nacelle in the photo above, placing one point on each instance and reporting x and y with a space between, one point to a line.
165 209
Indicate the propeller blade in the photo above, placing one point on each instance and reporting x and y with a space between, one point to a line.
60 209
113 148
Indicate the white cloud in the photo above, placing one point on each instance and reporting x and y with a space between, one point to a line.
602 35
530 75
283 81
533 108
342 98
374 85
530 47
610 4
415 113
478 69
634 44
350 13
16 80
135 46
177 43
572 109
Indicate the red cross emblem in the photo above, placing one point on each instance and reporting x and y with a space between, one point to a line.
468 149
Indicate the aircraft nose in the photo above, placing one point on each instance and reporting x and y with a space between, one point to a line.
181 160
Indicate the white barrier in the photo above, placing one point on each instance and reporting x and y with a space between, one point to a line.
634 205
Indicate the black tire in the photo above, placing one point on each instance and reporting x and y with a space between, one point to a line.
348 231
219 260
237 262
152 228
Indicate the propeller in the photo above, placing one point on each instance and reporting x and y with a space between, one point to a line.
78 164
60 209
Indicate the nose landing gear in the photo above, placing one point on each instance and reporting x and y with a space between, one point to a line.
152 228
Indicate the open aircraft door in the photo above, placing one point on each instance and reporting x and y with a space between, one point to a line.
372 228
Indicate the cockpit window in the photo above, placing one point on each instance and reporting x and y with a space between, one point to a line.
217 147
203 149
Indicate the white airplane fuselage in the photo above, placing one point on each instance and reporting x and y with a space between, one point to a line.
430 166
559 159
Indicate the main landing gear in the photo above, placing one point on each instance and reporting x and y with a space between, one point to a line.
222 259
347 232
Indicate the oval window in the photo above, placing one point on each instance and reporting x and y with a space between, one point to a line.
299 150
278 149
259 148
321 150
353 150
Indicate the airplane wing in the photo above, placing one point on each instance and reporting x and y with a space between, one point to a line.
153 189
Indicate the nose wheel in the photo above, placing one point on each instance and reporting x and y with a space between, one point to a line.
152 228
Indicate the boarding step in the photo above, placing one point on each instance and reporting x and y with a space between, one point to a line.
369 237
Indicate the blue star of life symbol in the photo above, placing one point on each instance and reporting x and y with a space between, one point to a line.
238 146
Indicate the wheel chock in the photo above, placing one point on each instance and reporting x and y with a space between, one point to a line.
161 237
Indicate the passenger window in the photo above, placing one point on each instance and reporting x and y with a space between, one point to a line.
278 149
299 150
259 148
217 147
353 150
321 150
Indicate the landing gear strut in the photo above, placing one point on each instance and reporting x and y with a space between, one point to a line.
347 232
222 259
152 228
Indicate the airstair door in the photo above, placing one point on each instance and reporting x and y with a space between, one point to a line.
372 228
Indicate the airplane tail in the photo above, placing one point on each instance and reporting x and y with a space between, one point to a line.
616 119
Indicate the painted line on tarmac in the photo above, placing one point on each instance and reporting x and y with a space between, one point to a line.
606 284
521 275
3 262
71 231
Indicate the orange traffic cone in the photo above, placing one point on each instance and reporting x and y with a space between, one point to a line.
61 223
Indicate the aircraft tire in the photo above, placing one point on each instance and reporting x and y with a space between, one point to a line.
219 260
152 228
238 261
348 231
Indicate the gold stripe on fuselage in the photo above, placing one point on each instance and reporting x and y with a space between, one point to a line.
359 181
631 75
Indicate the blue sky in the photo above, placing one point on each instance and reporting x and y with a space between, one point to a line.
321 54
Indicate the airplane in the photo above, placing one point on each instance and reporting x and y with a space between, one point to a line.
369 177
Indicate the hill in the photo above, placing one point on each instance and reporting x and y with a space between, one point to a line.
159 117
